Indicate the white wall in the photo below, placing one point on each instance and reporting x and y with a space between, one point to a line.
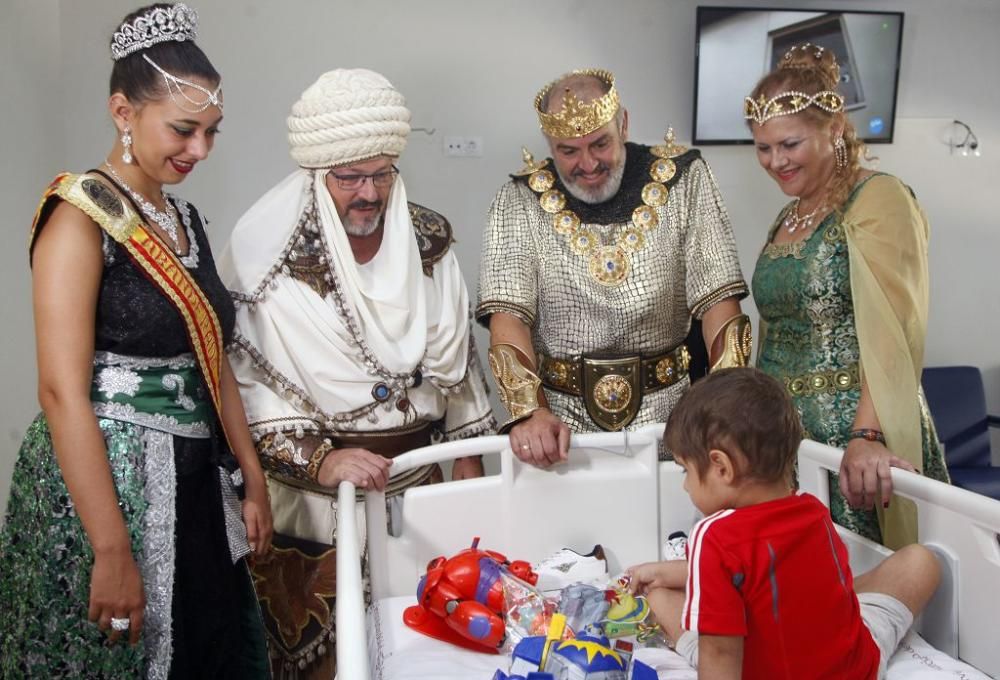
32 148
472 68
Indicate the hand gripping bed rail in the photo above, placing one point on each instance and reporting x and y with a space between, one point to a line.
352 645
963 530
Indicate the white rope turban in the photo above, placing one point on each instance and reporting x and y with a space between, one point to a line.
346 116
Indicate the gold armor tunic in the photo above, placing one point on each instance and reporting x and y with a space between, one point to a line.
684 266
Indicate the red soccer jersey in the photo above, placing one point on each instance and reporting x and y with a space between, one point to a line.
777 574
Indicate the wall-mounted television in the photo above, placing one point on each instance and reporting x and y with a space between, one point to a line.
737 45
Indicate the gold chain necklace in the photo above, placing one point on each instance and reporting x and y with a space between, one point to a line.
609 265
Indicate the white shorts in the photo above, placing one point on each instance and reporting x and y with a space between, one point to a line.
886 618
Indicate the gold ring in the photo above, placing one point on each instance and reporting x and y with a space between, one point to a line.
525 446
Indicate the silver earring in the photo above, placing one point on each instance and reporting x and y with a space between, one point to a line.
127 145
840 153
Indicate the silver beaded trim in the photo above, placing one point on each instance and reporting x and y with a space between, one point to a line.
308 223
289 390
127 413
158 553
186 360
232 512
184 209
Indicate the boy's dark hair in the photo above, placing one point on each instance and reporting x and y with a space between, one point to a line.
745 413
134 77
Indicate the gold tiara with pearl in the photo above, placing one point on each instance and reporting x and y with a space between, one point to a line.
762 110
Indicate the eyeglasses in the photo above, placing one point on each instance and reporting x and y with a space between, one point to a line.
380 180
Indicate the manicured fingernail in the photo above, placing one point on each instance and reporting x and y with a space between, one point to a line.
885 504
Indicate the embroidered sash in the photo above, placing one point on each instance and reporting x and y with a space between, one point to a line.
159 393
117 217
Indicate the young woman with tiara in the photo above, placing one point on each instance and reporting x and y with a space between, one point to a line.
137 494
842 289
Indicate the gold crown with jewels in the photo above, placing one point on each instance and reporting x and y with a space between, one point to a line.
577 118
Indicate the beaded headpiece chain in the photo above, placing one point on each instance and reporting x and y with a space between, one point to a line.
163 24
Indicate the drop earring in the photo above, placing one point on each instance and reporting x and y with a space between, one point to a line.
127 145
840 153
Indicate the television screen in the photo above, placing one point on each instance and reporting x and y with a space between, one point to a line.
736 46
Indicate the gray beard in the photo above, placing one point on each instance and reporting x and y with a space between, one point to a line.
364 228
600 194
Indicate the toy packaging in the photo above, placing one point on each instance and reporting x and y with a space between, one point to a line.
480 600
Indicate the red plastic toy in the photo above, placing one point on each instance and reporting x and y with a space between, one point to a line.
460 599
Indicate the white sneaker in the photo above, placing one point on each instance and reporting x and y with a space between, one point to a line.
566 567
676 546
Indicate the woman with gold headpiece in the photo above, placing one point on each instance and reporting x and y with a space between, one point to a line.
123 551
842 289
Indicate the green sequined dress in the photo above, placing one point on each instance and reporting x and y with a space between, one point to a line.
808 340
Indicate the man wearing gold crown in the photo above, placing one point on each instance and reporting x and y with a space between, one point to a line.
595 262
352 344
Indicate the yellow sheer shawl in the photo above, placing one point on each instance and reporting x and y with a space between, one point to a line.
887 234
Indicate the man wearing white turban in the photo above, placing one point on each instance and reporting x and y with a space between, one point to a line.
353 343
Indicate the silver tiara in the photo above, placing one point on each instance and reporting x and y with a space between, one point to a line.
161 24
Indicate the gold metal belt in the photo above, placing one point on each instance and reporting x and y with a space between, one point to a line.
612 387
824 382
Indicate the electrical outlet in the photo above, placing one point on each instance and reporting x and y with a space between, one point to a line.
467 147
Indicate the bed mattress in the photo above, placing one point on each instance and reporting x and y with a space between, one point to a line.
398 653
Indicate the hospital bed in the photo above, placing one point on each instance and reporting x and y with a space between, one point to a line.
614 491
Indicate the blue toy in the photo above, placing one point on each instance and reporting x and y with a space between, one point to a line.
587 657
641 671
534 675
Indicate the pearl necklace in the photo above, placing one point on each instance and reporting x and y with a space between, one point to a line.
166 219
794 221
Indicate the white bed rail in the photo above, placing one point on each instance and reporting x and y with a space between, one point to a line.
963 529
352 641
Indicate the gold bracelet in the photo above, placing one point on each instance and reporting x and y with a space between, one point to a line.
732 345
517 383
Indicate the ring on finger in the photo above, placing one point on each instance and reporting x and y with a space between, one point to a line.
120 624
525 447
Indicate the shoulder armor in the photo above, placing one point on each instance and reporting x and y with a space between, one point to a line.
530 164
90 193
433 233
682 161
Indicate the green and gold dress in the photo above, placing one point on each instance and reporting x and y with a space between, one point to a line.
171 467
849 304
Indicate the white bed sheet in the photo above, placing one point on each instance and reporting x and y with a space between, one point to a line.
398 653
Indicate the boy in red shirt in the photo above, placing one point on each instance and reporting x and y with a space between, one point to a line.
766 591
